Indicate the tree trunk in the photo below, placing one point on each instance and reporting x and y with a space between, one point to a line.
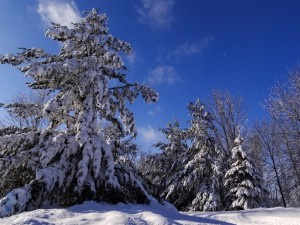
278 181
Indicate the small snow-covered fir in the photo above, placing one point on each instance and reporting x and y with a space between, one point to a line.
243 180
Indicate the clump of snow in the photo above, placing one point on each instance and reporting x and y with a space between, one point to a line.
238 141
14 201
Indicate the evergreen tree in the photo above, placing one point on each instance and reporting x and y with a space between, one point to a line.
243 181
160 168
75 158
204 160
189 175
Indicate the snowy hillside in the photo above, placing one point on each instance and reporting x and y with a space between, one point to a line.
106 214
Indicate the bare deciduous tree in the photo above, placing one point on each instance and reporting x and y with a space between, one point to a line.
272 161
26 110
229 116
283 105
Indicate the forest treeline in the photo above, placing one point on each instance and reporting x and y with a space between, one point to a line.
220 162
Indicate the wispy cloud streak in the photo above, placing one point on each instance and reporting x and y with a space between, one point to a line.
163 74
188 48
58 11
158 14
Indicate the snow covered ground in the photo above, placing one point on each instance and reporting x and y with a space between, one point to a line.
259 216
106 214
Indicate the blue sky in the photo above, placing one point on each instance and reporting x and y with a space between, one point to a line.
183 49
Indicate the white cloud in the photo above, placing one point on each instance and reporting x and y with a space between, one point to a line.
63 12
154 111
163 74
187 49
149 136
156 13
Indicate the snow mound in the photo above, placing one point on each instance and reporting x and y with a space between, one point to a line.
91 213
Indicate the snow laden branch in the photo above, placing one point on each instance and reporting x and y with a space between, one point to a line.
77 157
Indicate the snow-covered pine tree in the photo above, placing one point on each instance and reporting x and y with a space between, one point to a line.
73 159
203 165
160 167
243 181
190 173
